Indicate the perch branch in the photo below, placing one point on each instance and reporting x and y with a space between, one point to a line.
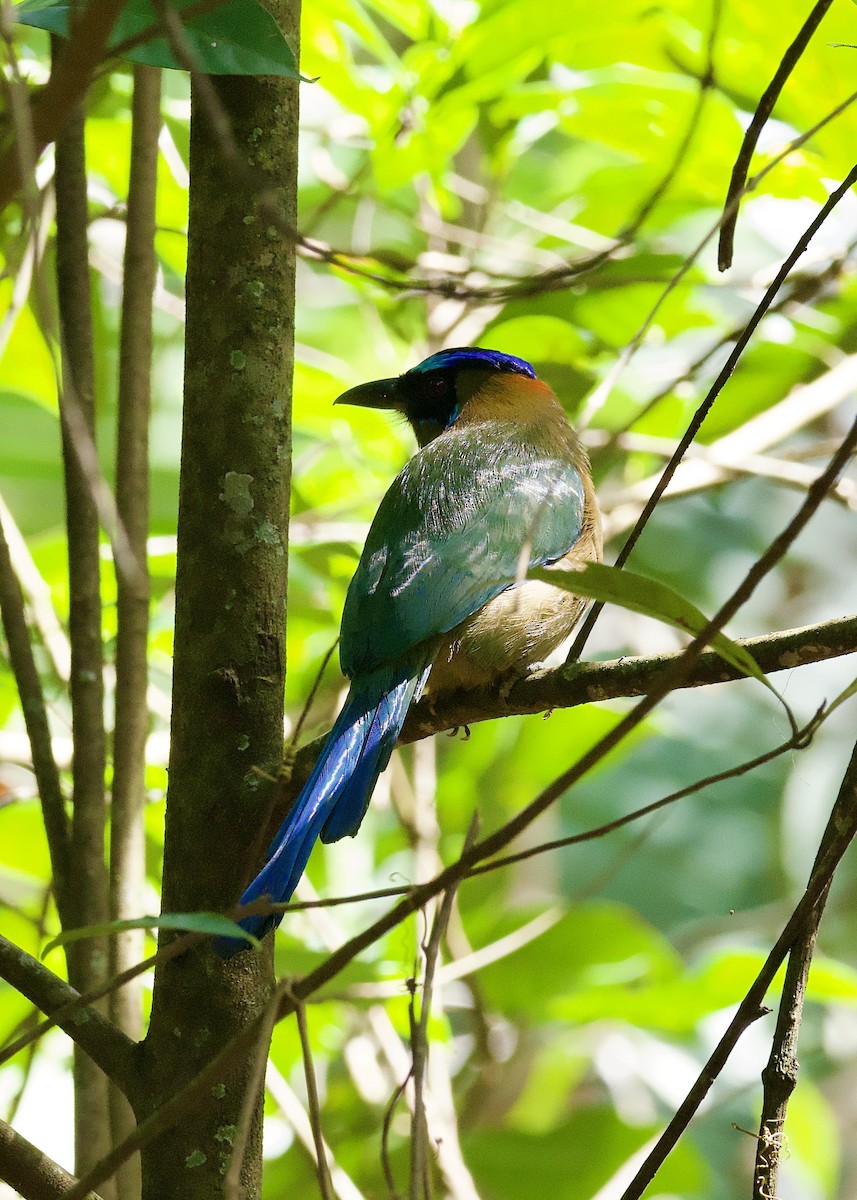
572 684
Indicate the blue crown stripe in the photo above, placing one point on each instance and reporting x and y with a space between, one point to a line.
473 356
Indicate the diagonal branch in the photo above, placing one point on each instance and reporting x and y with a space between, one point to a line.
763 111
29 1172
106 1045
805 404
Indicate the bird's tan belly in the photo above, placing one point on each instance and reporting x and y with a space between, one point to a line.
519 627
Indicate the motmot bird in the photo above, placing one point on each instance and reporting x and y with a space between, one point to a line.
440 597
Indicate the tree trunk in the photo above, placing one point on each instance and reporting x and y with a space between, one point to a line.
229 665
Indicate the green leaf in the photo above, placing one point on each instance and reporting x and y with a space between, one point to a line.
653 599
238 37
214 924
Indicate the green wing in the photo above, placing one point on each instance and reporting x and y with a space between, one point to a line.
449 536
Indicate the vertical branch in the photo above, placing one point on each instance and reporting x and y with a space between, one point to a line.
426 833
780 1074
307 1134
87 962
313 1105
420 1188
127 844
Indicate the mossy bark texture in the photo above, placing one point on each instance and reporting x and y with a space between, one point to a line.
229 666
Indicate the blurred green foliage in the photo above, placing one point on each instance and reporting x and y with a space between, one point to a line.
489 144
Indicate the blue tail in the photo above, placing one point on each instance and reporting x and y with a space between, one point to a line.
333 801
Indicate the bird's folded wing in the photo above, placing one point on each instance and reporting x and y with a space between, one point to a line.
454 530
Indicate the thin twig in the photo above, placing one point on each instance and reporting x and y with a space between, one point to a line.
799 740
386 1130
801 292
295 1113
760 117
718 468
420 1189
313 1104
313 692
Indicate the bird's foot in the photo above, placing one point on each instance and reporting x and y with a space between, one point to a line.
454 732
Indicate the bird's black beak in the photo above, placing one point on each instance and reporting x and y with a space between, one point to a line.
381 393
